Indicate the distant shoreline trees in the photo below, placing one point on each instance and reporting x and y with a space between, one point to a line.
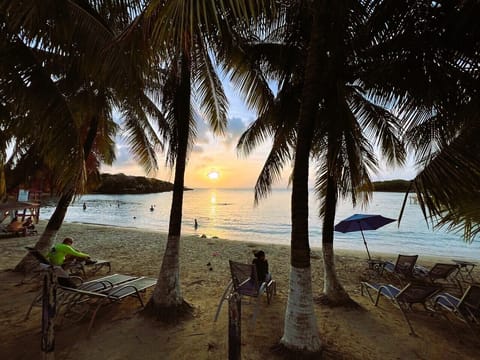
128 184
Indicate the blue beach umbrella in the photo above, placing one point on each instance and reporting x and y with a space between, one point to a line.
360 222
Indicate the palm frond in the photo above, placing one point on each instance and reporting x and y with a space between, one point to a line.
209 90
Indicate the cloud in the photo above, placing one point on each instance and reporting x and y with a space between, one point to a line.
122 152
236 126
198 149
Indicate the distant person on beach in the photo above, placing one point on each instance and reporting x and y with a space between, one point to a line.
64 252
84 206
28 227
152 207
261 264
196 224
28 224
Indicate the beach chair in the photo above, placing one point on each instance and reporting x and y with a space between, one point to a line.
13 229
74 302
66 281
103 284
402 270
82 301
439 274
404 298
466 308
244 281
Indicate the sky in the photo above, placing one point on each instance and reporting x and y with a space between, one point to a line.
215 163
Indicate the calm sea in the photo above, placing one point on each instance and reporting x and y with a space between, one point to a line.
230 214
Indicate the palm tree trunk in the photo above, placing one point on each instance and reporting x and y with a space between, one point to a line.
167 303
300 327
3 180
333 292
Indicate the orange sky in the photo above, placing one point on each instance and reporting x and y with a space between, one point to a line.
219 154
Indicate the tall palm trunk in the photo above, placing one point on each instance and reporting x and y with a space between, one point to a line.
28 263
3 180
333 291
300 327
167 302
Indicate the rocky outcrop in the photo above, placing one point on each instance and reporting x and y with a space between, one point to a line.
391 185
126 184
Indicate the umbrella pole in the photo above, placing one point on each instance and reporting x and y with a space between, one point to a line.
365 242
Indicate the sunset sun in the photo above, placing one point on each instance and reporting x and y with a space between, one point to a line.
213 175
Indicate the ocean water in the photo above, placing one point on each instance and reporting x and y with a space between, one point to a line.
231 214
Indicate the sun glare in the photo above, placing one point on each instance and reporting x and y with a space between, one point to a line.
213 175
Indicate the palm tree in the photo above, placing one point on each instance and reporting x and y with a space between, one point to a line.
61 62
187 41
340 115
351 120
362 78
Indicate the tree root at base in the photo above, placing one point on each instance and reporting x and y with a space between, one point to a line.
282 352
169 314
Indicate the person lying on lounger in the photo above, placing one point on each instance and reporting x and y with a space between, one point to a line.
16 226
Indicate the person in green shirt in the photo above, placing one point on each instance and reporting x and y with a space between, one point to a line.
63 251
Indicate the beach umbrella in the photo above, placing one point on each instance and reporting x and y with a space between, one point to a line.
360 222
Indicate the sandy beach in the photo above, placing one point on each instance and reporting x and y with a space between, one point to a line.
120 332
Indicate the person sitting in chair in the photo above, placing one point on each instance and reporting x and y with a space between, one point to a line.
261 264
29 227
65 252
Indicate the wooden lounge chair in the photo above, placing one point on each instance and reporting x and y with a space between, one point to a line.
403 298
15 228
245 282
466 308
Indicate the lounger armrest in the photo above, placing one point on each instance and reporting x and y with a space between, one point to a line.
388 289
447 299
379 287
244 282
76 279
122 290
389 266
263 286
421 271
84 292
